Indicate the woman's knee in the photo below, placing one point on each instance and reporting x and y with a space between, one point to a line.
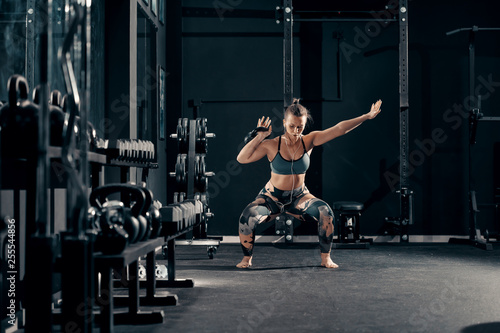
319 210
252 215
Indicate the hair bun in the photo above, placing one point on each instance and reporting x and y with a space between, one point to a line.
296 101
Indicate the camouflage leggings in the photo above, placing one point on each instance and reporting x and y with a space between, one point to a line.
298 202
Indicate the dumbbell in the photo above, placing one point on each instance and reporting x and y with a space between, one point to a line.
187 211
173 214
171 218
197 210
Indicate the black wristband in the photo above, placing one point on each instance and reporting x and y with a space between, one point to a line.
253 133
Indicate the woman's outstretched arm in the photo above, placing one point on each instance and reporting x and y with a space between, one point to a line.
343 127
255 149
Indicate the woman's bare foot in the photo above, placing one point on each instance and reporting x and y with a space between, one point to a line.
327 262
245 263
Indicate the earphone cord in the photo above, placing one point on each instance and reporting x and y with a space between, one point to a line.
291 170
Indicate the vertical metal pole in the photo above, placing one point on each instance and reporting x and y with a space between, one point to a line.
30 43
39 245
287 53
472 195
171 260
404 191
191 158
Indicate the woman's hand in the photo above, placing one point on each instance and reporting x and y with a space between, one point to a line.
375 110
264 123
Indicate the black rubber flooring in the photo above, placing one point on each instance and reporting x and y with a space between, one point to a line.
387 288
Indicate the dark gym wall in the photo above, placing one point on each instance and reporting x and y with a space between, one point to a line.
219 64
124 42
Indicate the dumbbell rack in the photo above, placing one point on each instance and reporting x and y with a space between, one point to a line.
192 183
129 258
106 263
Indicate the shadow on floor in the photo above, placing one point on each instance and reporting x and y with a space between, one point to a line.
482 328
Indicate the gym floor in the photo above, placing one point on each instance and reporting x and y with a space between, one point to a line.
387 288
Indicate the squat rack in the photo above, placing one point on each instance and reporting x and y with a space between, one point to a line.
285 14
405 193
475 116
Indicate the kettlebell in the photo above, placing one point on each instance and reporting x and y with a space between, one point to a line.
55 98
135 226
93 219
152 214
109 238
155 215
56 116
132 225
92 136
19 121
113 238
144 217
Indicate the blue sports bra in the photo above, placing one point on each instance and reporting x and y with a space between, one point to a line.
284 167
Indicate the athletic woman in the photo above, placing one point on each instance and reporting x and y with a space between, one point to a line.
289 155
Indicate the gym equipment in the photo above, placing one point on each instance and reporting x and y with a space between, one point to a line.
56 98
181 135
190 169
180 173
202 135
140 152
348 214
155 216
284 226
133 199
19 121
200 173
475 115
161 271
141 274
112 237
190 211
397 13
56 116
286 15
171 217
150 214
